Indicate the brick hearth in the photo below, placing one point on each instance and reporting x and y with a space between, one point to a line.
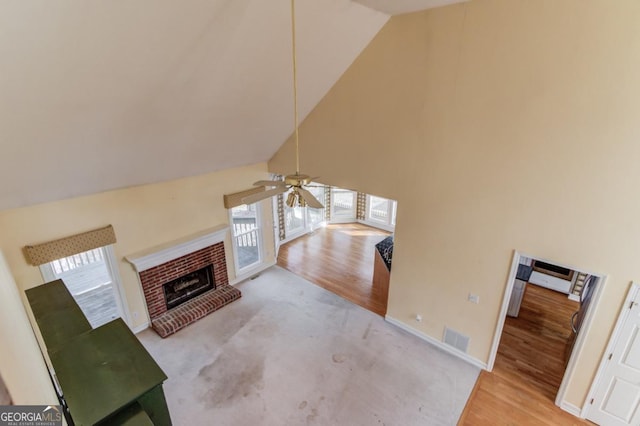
194 309
166 322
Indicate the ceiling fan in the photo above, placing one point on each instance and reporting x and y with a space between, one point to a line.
297 181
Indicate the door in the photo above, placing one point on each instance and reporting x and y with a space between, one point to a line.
247 244
616 397
93 280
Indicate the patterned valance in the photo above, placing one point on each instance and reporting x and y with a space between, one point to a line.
46 252
235 199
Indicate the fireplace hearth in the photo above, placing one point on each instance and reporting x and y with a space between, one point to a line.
180 290
184 280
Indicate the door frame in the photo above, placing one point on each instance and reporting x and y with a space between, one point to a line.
613 340
580 340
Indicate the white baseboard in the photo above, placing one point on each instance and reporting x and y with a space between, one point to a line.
382 226
437 343
343 220
140 328
252 272
571 409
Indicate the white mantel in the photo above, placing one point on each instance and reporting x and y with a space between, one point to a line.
154 256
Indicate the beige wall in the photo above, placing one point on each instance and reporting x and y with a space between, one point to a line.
22 367
142 216
498 126
5 398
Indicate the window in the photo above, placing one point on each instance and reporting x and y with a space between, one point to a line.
91 278
315 217
294 219
381 211
343 205
246 235
300 220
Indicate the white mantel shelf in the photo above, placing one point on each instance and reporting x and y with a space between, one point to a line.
154 256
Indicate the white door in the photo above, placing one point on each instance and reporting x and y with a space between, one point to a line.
93 280
616 397
247 236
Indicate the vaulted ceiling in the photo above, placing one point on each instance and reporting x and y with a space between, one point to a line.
108 94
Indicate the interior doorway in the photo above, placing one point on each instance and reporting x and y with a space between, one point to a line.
551 306
346 248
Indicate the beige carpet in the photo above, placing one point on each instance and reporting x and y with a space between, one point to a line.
291 353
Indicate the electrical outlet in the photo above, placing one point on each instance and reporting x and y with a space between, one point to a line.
474 298
135 315
419 318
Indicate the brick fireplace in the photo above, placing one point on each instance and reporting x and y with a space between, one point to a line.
183 265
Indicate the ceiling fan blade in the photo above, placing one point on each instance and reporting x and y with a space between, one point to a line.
310 199
263 195
269 183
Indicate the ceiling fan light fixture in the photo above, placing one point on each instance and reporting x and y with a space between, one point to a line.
291 199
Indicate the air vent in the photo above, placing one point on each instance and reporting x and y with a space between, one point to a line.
455 339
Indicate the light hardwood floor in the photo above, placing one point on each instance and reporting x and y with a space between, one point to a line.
529 367
340 259
534 347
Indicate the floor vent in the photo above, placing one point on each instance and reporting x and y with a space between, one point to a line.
455 339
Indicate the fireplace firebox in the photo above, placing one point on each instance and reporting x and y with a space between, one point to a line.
188 286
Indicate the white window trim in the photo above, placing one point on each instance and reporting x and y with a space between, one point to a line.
121 300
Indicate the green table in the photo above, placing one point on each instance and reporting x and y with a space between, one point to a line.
59 317
103 371
105 374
